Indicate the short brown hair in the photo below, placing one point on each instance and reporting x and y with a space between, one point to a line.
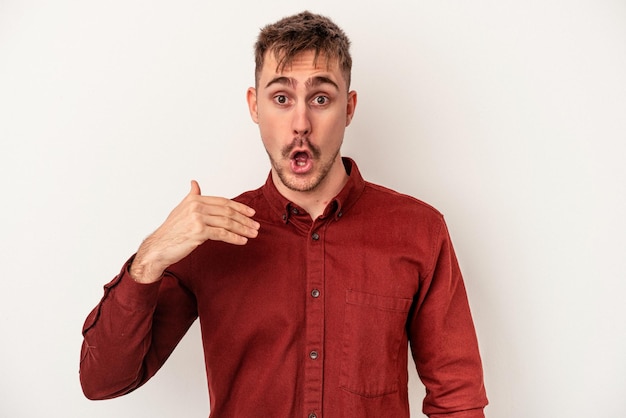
302 32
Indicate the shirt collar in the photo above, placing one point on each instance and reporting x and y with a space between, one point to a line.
336 208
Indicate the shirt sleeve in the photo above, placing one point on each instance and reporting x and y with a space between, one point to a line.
443 339
132 331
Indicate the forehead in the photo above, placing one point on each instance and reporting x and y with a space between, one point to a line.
303 64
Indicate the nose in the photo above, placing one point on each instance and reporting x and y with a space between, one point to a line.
301 121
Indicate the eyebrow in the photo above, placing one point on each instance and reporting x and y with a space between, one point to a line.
311 82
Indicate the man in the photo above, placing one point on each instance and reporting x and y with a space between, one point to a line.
308 289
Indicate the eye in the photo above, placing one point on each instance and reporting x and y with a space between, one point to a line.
281 99
321 100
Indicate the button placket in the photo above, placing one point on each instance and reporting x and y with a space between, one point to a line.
315 319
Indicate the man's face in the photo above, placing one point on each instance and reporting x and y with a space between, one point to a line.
302 113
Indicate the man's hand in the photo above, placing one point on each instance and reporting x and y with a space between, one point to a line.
195 220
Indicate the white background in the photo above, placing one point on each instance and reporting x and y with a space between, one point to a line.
508 116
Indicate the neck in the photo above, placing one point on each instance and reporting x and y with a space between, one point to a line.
315 201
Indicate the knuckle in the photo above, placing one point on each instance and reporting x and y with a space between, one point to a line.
215 200
194 206
196 218
222 234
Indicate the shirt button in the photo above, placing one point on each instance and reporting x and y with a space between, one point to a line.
315 293
340 214
314 355
315 236
312 415
294 211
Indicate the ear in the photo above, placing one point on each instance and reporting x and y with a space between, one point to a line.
252 104
350 106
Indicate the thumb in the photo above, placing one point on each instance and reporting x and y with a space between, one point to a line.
195 188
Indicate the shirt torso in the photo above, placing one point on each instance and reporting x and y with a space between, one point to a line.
310 318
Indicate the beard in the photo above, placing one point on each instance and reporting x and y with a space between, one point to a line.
302 182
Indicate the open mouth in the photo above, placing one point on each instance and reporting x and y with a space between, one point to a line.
301 161
301 158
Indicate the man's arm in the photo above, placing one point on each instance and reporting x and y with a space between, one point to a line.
145 310
131 333
443 340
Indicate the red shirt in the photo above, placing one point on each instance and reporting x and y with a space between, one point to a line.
309 319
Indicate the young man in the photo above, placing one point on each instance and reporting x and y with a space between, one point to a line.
308 289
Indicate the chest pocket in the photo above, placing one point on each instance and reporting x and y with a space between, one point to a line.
374 330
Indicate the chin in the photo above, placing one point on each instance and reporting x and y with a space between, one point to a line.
297 184
301 186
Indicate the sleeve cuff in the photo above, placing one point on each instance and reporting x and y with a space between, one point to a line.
135 296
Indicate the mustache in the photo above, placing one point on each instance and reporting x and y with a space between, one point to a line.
301 142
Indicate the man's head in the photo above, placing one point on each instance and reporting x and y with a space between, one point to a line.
302 102
293 35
